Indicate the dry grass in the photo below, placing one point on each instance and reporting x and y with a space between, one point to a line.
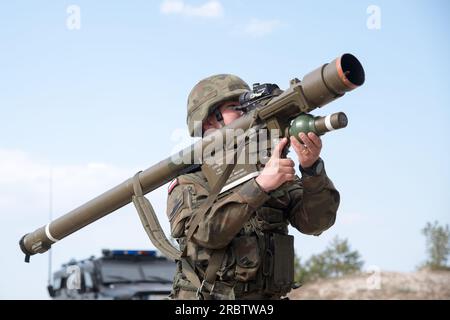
385 285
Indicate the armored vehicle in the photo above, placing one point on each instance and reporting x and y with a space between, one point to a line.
117 274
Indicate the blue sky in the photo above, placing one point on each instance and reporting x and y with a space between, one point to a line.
100 103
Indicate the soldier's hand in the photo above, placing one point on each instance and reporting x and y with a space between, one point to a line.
277 170
308 152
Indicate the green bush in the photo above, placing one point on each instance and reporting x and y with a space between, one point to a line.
337 260
438 245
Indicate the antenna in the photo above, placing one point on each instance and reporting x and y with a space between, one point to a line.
50 217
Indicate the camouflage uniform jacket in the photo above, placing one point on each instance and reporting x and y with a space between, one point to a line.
309 204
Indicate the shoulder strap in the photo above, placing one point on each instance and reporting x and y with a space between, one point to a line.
205 287
151 223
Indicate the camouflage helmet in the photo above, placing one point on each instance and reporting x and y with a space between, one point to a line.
207 94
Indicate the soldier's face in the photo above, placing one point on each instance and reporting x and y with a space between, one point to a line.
228 114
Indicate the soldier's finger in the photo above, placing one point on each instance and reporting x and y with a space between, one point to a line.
296 145
289 170
315 139
289 177
308 143
279 148
288 162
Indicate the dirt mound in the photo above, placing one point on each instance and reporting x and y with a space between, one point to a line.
382 285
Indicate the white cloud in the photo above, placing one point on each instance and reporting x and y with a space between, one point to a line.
24 206
172 6
24 177
260 28
210 9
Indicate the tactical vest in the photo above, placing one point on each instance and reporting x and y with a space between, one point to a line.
258 263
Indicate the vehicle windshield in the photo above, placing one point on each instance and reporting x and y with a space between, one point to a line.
123 271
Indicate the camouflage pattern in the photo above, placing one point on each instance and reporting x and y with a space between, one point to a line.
250 224
207 94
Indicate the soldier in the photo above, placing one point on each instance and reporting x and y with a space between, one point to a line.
248 225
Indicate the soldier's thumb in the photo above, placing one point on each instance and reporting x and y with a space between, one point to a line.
277 151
